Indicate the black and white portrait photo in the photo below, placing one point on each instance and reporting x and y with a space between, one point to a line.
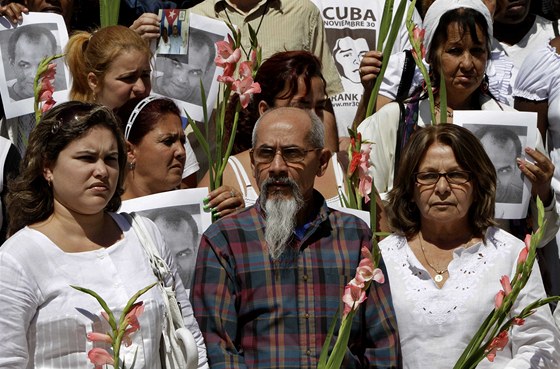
22 49
181 221
504 136
179 228
178 76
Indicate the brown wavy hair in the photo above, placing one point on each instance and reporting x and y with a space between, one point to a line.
30 199
94 52
403 214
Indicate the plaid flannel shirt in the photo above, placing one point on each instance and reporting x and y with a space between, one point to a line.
255 313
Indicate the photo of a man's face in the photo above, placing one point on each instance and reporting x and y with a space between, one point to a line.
27 46
179 76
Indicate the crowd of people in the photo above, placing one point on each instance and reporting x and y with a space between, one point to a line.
271 270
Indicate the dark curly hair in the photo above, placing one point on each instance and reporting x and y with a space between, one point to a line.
30 198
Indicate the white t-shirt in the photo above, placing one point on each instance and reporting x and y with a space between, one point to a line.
44 321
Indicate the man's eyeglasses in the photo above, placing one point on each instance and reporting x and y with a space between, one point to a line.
430 178
292 155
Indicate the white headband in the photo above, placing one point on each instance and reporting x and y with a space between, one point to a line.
440 7
141 105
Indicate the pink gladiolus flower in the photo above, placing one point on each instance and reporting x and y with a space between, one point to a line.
226 54
132 320
525 251
352 298
378 276
100 357
365 187
364 272
245 88
518 321
253 56
105 315
499 299
506 285
418 39
50 72
245 69
366 253
99 337
497 344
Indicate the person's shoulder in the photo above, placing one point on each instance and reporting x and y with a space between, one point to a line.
245 220
302 7
344 220
24 245
206 8
502 239
389 113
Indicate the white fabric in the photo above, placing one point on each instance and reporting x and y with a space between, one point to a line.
352 28
381 129
440 7
435 325
191 164
250 196
44 321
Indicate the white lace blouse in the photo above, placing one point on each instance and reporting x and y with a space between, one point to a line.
435 325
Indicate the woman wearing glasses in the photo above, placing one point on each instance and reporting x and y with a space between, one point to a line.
458 35
446 258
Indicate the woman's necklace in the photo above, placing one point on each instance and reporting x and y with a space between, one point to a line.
439 273
449 113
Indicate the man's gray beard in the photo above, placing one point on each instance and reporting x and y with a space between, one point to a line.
281 215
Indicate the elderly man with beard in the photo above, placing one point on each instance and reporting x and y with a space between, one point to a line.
269 280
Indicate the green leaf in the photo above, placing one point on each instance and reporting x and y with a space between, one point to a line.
325 350
442 99
396 24
104 306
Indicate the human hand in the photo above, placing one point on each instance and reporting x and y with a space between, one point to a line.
147 26
370 66
13 11
539 173
223 201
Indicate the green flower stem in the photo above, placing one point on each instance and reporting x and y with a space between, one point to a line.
395 26
109 12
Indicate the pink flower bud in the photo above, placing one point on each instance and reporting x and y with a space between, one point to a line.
499 299
506 284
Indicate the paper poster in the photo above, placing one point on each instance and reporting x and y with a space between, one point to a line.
352 28
181 221
22 47
178 75
504 136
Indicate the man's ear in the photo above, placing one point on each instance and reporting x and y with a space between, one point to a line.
263 106
324 159
93 82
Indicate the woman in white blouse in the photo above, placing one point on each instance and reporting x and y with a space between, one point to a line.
446 258
65 232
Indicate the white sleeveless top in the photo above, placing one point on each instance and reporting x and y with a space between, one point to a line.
250 195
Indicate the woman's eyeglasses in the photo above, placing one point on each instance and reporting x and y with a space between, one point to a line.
430 178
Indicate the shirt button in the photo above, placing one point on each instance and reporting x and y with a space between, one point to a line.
305 277
308 352
306 315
